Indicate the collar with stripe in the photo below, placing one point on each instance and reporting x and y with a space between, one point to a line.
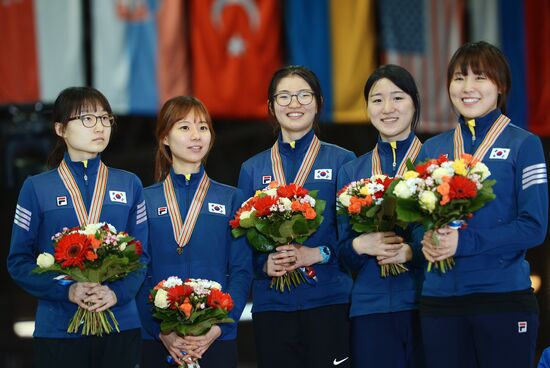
179 180
77 167
409 147
301 145
483 125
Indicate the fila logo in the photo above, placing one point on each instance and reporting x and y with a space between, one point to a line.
117 196
323 174
161 211
266 179
216 208
61 201
499 153
522 327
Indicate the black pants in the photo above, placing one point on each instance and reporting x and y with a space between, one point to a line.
117 350
221 354
313 338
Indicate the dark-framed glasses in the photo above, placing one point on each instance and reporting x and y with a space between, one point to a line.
304 97
90 120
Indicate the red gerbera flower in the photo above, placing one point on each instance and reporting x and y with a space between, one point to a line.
219 299
263 204
462 187
71 250
291 190
177 295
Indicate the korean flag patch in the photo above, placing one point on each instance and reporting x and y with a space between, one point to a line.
323 174
216 208
161 211
266 179
61 201
117 196
499 153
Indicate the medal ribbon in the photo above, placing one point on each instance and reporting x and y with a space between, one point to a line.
411 153
494 132
305 167
184 230
97 199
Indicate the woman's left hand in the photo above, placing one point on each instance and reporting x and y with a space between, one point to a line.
100 298
201 343
404 254
448 243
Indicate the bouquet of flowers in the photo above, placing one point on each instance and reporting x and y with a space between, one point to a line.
278 215
371 210
440 192
92 253
191 307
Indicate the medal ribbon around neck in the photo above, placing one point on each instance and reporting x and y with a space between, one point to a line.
494 132
305 167
183 231
411 153
97 199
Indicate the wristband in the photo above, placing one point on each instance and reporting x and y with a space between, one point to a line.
325 253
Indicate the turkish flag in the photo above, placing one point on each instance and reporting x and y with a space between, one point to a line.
236 47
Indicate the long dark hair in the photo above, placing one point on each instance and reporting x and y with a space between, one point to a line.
171 112
402 79
483 58
308 76
69 103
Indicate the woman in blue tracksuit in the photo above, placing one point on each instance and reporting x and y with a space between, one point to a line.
483 312
200 208
308 325
385 326
83 122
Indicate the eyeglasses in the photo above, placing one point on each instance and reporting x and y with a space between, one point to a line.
90 120
304 97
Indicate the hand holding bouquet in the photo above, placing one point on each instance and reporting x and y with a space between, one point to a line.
439 192
371 210
190 308
94 253
280 215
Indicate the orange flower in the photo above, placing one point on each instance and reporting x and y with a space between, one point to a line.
357 203
95 242
310 213
186 307
91 255
219 299
444 189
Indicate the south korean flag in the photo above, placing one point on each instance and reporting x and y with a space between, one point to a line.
216 208
323 174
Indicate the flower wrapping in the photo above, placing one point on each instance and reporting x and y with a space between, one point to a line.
279 215
92 253
439 191
371 209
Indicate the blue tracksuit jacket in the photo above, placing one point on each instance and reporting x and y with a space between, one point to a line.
41 212
372 293
490 257
334 284
212 253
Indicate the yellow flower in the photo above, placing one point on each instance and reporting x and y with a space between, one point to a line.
364 191
410 174
460 167
258 192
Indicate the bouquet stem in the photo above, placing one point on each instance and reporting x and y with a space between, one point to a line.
93 323
444 265
393 269
289 279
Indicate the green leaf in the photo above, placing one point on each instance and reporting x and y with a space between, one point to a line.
238 232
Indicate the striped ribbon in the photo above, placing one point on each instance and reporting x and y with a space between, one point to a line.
97 199
411 153
305 167
492 135
183 231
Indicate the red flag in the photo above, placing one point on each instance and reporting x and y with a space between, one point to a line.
18 64
235 50
537 34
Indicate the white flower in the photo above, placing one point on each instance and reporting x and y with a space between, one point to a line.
381 177
310 200
172 281
245 215
344 198
271 192
161 299
112 228
427 200
122 246
440 172
286 203
481 169
403 190
45 260
91 229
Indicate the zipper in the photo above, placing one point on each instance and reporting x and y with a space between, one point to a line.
86 187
